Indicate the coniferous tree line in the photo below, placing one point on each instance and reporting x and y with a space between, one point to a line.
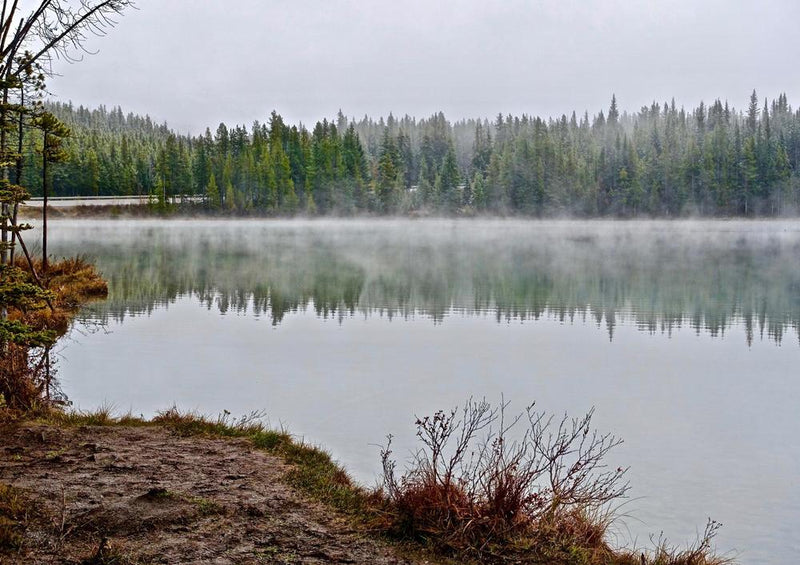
660 161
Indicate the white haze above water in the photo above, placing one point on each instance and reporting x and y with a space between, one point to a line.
683 335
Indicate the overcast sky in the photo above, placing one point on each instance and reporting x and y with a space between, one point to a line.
195 63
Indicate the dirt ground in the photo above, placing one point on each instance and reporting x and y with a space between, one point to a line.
148 496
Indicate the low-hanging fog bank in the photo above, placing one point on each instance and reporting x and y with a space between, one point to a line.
658 275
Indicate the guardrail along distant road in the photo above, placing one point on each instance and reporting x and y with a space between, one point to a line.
69 201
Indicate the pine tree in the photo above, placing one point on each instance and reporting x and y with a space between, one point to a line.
479 192
752 115
449 191
613 112
230 196
387 181
212 193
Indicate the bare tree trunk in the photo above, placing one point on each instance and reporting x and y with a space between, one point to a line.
18 177
5 210
4 230
44 207
48 378
32 268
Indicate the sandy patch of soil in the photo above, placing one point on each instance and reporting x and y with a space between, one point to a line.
148 496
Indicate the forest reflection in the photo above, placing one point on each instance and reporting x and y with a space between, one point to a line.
658 276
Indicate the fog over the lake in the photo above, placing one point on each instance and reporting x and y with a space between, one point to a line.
195 63
655 275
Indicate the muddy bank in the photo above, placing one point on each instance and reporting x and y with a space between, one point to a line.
140 495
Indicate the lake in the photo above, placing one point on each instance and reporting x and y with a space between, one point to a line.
684 335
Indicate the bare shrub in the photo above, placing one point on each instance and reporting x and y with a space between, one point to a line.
473 486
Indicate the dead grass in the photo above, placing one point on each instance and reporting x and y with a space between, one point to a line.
663 553
74 282
542 495
14 509
106 554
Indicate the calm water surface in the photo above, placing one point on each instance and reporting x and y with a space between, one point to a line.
683 335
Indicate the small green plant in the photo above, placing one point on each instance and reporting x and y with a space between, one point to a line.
157 493
54 455
208 507
274 554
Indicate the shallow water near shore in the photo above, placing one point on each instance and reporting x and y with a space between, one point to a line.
683 335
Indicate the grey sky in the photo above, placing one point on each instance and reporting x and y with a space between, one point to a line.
195 63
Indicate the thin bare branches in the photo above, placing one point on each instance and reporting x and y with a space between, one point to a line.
54 29
474 481
532 488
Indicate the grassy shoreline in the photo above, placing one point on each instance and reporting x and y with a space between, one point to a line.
578 539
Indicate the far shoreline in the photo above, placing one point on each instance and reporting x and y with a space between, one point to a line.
196 211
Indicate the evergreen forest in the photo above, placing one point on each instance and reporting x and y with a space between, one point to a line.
662 161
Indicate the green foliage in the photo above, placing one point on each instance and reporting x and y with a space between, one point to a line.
20 334
212 193
311 206
54 131
32 35
230 196
18 293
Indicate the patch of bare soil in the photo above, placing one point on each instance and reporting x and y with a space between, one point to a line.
141 495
